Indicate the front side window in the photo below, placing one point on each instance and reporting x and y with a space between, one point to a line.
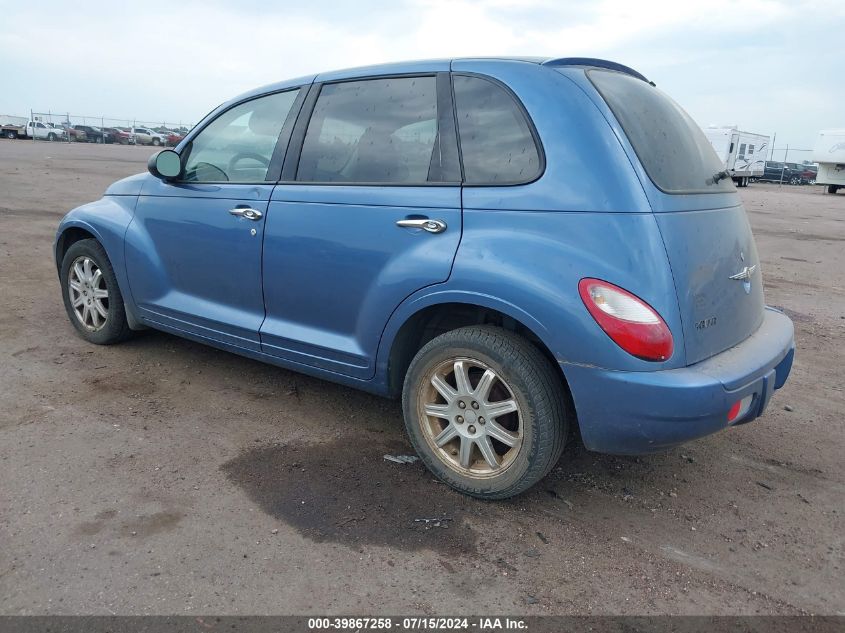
371 131
238 145
496 140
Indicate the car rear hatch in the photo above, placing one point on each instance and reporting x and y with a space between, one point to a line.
701 218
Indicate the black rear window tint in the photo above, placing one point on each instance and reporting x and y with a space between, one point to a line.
672 149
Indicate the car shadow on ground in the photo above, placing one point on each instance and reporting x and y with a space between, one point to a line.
333 483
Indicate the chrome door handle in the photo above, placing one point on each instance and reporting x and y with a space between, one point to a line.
432 226
249 214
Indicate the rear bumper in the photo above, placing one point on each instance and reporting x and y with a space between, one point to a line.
644 412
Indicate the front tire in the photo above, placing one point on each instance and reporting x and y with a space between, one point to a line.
51 137
91 295
156 142
484 410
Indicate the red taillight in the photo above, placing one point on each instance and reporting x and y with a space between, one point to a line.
740 408
628 320
734 410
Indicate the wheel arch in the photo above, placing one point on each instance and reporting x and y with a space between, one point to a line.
105 220
418 321
70 235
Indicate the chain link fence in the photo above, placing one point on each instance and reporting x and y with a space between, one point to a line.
79 128
787 154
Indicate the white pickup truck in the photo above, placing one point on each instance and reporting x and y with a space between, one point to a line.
146 136
44 131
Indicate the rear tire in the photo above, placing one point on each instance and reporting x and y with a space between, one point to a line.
502 427
85 274
11 134
832 188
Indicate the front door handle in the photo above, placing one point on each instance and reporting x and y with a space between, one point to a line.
432 226
246 212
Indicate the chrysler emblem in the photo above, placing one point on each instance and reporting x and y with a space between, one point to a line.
744 276
745 273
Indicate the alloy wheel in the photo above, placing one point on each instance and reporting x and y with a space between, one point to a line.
88 293
470 417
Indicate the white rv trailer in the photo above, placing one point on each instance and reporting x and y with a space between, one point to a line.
829 153
742 153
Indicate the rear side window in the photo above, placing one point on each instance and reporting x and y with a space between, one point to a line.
672 149
371 131
497 145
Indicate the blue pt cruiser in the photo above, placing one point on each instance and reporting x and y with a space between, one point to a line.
513 246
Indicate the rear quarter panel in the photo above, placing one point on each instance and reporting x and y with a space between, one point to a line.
528 265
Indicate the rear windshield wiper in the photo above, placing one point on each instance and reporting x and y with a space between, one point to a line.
720 175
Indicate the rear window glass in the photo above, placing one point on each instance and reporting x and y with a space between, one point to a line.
496 141
672 149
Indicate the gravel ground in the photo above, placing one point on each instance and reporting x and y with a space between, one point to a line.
162 476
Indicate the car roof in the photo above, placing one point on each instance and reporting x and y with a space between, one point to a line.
436 65
432 64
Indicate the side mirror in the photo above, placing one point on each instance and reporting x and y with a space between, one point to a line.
166 164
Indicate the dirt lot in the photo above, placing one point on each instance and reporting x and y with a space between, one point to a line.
161 476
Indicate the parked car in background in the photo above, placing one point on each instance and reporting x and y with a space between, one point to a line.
786 173
95 134
142 135
146 136
809 174
12 126
9 130
76 135
120 135
45 131
797 174
174 138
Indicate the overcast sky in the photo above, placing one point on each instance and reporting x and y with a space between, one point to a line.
765 65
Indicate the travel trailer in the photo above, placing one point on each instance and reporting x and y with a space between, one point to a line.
742 153
829 153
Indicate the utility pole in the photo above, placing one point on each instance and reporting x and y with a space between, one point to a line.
783 167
